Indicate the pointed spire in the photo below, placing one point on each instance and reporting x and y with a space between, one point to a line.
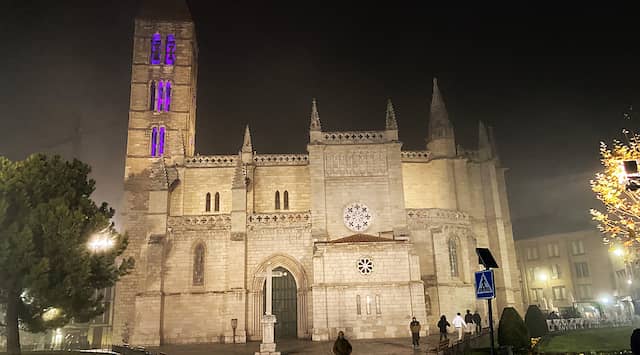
247 147
439 124
391 123
483 136
315 117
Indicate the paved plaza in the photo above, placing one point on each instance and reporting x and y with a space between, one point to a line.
293 346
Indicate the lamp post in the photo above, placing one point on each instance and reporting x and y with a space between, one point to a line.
100 242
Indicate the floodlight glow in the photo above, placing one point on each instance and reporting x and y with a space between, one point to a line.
100 243
50 314
542 276
618 251
604 300
629 281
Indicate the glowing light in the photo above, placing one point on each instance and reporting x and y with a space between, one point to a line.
51 314
604 300
618 251
542 276
629 281
101 242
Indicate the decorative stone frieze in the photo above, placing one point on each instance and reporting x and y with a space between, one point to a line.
280 219
218 221
353 137
281 159
356 162
415 156
210 161
435 216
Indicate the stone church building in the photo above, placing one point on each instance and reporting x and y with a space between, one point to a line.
362 234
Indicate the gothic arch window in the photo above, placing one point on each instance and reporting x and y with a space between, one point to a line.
152 95
453 257
277 200
216 206
167 96
170 50
160 96
207 202
286 199
157 141
156 41
198 265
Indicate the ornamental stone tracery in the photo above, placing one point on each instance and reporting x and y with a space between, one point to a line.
357 216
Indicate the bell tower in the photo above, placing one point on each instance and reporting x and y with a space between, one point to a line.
161 132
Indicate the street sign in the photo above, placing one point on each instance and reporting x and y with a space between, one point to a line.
485 287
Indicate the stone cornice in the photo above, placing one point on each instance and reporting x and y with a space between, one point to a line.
422 156
280 219
200 161
281 159
198 222
354 137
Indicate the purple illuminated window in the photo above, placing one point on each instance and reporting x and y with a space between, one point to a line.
167 96
160 97
152 95
161 142
154 141
170 50
156 41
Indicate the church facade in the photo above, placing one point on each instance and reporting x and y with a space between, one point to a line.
361 234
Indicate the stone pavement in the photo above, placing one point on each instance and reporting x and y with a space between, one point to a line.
395 346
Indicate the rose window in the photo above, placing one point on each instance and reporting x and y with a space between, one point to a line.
357 217
365 266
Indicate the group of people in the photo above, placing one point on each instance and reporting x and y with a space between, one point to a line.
471 323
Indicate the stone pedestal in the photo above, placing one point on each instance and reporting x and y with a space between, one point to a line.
268 345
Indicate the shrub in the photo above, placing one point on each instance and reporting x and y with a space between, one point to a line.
512 331
535 322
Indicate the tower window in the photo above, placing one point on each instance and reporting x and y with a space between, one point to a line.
277 200
170 50
156 41
152 95
207 202
160 97
198 265
216 206
167 96
286 199
157 141
453 257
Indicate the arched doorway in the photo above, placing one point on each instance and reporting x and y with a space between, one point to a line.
285 304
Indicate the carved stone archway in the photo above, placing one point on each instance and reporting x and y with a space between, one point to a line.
255 308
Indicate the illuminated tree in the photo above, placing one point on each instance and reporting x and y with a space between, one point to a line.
57 247
617 190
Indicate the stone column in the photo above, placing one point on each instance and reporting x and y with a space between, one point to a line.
268 345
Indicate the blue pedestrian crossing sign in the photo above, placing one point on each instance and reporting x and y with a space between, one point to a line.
485 287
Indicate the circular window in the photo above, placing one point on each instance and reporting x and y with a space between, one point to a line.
357 216
365 266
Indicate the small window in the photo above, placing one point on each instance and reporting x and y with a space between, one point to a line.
577 247
559 293
368 304
156 41
152 95
161 142
378 305
584 292
553 250
453 257
532 253
154 141
170 50
198 265
286 199
216 206
536 295
167 96
555 271
277 200
160 97
582 269
207 202
358 305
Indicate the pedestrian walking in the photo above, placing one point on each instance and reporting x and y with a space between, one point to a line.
459 324
478 321
468 318
414 326
442 325
341 346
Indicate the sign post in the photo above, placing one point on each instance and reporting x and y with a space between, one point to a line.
485 285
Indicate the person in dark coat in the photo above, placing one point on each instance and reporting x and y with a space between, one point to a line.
341 346
468 318
415 327
442 325
635 341
478 322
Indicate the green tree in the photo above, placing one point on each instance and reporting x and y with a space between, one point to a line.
535 322
48 274
512 331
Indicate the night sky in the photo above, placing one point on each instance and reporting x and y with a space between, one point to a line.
553 82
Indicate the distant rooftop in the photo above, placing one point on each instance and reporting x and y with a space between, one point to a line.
164 10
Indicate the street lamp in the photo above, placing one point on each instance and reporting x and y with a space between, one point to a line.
618 251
